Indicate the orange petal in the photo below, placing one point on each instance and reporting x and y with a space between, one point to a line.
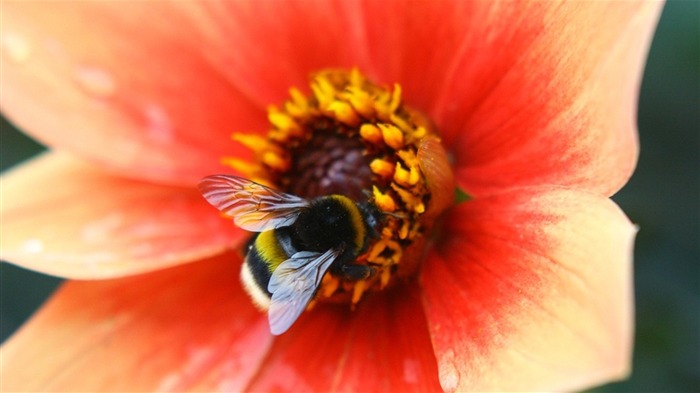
62 217
186 328
112 83
382 346
548 95
531 290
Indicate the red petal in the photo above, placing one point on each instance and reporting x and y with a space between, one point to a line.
531 290
116 84
383 346
187 328
63 217
547 94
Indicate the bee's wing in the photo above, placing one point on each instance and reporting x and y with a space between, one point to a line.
293 284
254 207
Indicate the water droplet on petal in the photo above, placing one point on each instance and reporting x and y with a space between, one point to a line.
449 373
95 81
16 47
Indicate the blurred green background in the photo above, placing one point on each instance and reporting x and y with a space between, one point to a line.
663 198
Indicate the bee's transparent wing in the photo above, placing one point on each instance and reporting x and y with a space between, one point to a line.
293 284
254 207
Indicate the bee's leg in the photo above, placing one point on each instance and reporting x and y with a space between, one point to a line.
356 272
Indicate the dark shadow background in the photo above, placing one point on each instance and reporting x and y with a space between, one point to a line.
663 198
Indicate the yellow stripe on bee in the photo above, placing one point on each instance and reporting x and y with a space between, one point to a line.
270 250
358 223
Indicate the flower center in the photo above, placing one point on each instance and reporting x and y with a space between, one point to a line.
354 138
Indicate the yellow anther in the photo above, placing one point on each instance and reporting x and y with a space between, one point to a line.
409 199
360 100
398 252
384 278
402 175
400 122
419 133
413 176
256 143
342 111
323 91
376 249
284 122
275 161
392 136
298 106
279 136
358 290
408 157
244 167
403 232
371 133
382 168
356 78
329 285
382 247
395 98
383 201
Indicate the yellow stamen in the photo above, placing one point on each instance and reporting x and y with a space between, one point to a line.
285 123
360 100
323 91
329 285
401 124
392 136
383 201
409 199
256 143
343 112
275 161
298 106
358 290
371 133
406 177
244 167
403 232
344 105
384 278
382 168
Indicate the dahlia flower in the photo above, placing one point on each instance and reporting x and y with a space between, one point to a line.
528 108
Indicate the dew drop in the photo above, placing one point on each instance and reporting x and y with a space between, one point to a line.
16 47
449 373
95 81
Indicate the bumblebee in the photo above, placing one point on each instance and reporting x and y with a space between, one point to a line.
298 241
